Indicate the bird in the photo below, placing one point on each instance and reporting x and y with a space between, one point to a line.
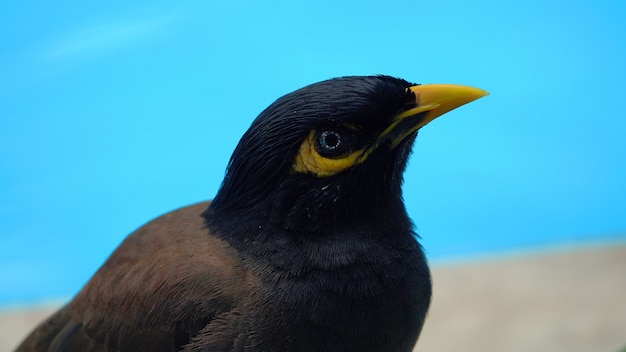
307 245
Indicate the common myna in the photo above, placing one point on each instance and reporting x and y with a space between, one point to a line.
307 245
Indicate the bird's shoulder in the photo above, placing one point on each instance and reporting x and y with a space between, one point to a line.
172 255
163 284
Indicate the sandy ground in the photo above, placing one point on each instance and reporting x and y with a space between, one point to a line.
567 300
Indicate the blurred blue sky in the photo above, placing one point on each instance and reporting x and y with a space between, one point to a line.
113 113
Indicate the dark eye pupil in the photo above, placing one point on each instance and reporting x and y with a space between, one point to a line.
330 140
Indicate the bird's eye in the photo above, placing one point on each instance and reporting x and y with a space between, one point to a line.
330 140
333 143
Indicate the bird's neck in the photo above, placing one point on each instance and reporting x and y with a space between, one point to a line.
282 222
353 275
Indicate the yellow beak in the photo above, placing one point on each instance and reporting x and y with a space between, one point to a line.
433 100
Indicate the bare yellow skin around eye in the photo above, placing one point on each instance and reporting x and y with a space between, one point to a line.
310 161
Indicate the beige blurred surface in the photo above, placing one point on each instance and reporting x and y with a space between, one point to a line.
572 300
563 300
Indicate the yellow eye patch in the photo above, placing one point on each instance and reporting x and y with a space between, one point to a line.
310 161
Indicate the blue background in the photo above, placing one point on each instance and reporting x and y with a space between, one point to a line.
114 113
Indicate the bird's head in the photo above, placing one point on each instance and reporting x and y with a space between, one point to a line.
332 153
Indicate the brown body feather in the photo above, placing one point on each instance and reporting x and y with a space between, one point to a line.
169 278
